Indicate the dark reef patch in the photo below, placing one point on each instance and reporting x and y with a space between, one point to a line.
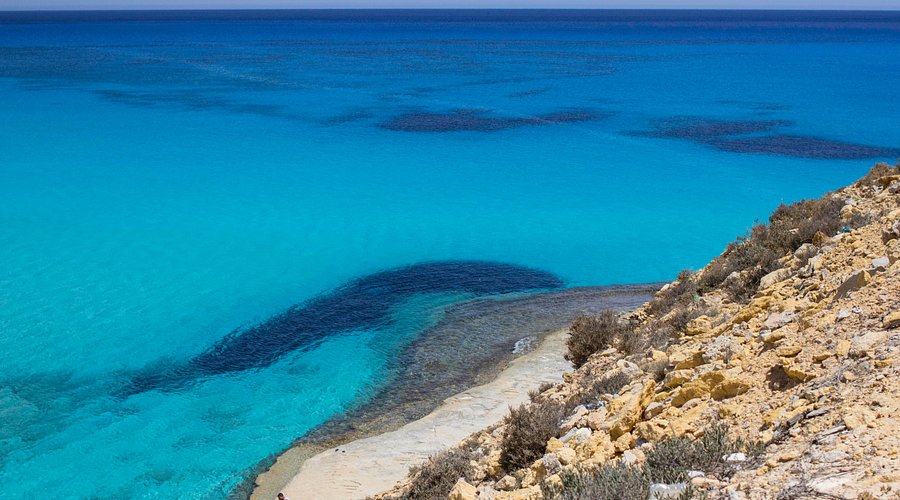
703 130
529 93
474 120
804 147
759 137
365 303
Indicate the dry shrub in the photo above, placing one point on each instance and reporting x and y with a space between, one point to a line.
535 394
669 460
757 254
613 481
591 334
610 384
878 171
682 293
436 477
528 428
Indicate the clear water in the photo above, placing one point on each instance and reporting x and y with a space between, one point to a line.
167 179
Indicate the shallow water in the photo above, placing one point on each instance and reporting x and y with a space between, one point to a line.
168 180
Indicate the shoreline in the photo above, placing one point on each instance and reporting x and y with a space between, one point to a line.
376 463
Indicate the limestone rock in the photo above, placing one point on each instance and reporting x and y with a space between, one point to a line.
777 320
660 491
716 384
506 483
892 320
770 279
462 490
677 377
566 455
864 345
698 326
856 281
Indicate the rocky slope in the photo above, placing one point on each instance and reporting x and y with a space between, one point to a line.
795 353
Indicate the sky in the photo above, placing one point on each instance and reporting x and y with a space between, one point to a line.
300 4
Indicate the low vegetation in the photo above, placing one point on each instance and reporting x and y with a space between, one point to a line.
435 478
667 462
528 428
745 261
591 334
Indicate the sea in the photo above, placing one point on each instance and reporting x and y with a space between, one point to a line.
220 230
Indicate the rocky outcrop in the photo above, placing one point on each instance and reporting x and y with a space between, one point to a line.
807 367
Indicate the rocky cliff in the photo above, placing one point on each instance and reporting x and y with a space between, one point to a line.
770 373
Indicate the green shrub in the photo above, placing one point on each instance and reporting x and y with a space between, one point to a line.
528 428
591 334
436 477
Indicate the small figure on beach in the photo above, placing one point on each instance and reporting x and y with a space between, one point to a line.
282 497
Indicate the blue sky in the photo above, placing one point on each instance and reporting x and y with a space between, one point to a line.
190 4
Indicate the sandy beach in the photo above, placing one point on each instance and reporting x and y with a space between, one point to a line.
374 464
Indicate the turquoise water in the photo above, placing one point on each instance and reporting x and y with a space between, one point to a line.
167 179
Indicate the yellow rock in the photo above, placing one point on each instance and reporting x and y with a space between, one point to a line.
788 351
687 359
843 348
624 442
677 377
565 455
463 491
716 384
772 337
598 447
698 326
822 356
688 422
852 421
653 430
554 445
789 455
891 321
554 482
628 408
796 371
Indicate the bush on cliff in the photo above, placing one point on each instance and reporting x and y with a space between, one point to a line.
757 254
528 428
436 477
591 334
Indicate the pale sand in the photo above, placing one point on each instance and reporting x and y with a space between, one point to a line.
374 464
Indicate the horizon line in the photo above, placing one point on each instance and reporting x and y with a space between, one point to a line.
510 9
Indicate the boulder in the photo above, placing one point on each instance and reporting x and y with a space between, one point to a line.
779 319
774 277
718 385
892 320
462 490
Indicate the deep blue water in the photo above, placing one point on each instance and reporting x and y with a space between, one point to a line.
181 191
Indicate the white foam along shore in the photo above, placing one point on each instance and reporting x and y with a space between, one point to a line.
374 464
